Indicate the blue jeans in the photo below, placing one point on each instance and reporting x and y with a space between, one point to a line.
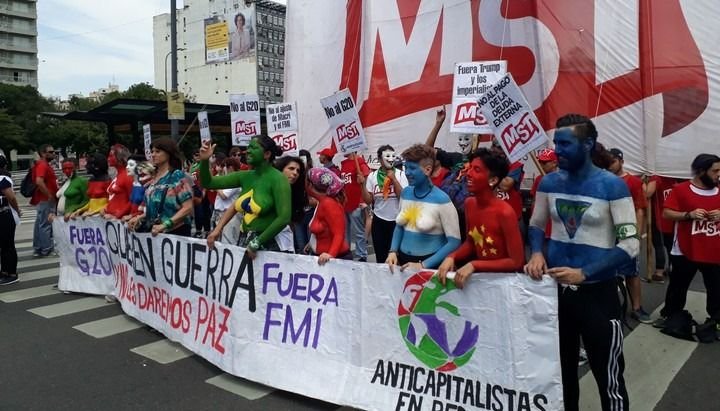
355 232
42 232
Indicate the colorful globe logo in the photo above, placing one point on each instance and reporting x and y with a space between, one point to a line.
444 340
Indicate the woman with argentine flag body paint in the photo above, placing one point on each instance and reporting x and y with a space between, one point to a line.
427 227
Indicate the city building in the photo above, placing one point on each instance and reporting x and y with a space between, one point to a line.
18 42
224 47
100 93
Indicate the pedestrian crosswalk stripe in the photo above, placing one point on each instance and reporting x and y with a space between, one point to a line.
652 359
109 326
240 386
69 307
27 293
39 261
37 275
163 351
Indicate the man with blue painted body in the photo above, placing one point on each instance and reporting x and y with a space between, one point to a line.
593 232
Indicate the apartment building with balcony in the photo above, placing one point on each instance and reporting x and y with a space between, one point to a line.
18 42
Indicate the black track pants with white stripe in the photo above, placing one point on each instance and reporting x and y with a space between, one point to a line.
593 313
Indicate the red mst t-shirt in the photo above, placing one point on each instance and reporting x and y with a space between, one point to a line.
348 174
636 191
699 240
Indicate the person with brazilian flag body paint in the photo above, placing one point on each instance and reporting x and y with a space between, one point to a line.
427 227
381 191
594 232
265 199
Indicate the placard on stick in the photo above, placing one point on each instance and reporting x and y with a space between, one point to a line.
470 81
244 118
147 136
204 124
512 120
282 126
344 121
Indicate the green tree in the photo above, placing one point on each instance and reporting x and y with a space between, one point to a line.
12 136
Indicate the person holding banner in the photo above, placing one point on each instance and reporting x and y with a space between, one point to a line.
73 193
265 197
381 191
594 232
9 217
493 242
121 187
327 227
168 197
98 185
294 169
427 227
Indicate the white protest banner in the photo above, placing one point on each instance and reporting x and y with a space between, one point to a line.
147 136
472 80
281 117
344 121
287 141
204 124
282 126
385 340
513 122
244 118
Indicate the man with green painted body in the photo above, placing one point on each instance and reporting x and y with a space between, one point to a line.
264 200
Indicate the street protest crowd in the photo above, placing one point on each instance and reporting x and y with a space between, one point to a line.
423 207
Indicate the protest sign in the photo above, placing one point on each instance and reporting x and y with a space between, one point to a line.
472 80
147 136
282 126
512 120
385 340
244 118
345 127
204 124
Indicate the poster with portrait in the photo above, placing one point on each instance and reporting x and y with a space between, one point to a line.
230 31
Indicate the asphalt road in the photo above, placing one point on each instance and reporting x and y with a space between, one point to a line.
77 352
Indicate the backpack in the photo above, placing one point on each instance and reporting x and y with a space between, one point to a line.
28 186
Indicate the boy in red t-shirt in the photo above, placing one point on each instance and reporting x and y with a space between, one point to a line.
694 206
353 174
630 271
657 190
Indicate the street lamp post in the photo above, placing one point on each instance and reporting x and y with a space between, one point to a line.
166 70
174 126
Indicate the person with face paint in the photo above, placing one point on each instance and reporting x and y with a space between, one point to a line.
694 206
97 166
73 193
265 199
327 227
427 225
493 242
120 189
593 233
381 191
142 174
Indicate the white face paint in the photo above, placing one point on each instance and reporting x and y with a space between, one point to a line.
465 143
388 158
131 167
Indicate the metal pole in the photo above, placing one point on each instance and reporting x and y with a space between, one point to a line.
174 127
166 73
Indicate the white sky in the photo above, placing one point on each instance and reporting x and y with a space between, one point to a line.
85 44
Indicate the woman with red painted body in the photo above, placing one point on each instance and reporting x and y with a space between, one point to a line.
493 242
327 226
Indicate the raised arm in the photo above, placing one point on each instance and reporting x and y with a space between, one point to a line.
232 180
439 120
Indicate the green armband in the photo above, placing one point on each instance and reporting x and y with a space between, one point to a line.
167 223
